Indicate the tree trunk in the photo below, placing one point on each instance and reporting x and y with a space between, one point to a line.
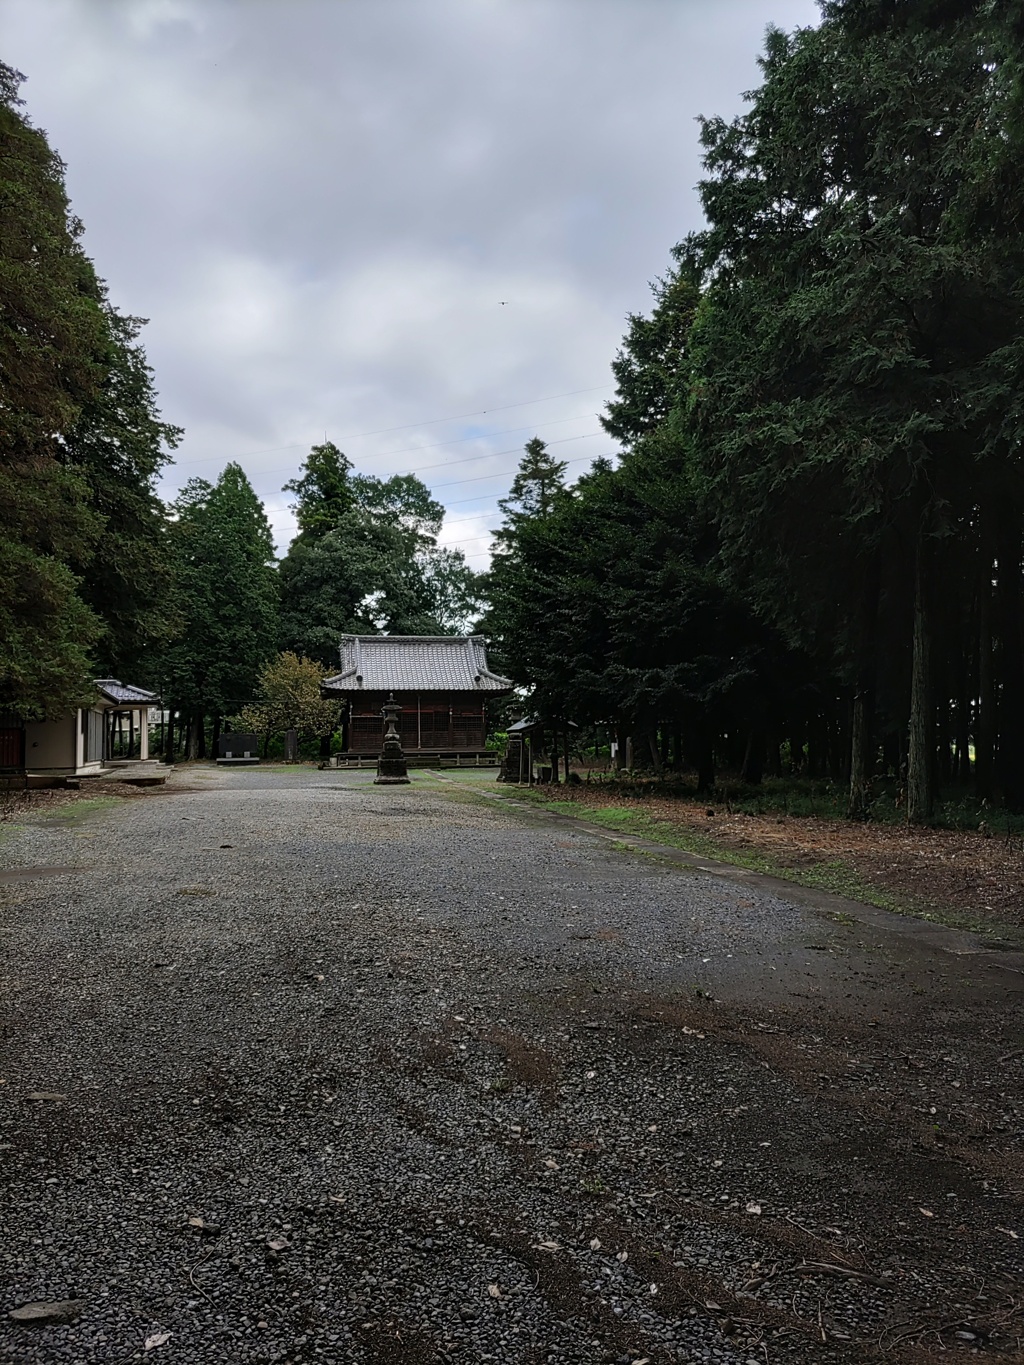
677 748
773 755
796 747
1010 759
201 728
962 728
652 744
920 735
862 719
620 747
838 748
944 735
566 751
985 715
753 760
192 738
817 746
861 753
705 757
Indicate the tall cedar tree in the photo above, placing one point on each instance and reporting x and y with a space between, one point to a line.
80 445
225 590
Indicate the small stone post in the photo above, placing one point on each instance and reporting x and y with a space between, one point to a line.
391 766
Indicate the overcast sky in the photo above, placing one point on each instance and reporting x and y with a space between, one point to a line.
415 226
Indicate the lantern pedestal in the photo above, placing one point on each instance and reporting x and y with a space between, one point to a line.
392 770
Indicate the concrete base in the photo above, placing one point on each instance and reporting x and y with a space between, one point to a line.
136 772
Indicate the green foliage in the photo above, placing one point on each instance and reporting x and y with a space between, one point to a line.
288 697
607 599
225 591
357 578
366 559
80 445
650 369
119 443
403 502
323 491
814 543
537 487
857 352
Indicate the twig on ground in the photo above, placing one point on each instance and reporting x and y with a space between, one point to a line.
194 1282
825 1268
814 1236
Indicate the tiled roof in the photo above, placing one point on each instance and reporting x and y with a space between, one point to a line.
415 663
115 690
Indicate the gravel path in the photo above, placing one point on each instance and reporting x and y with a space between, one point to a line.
298 1069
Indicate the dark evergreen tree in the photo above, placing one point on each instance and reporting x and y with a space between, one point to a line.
120 444
225 591
80 445
366 560
849 395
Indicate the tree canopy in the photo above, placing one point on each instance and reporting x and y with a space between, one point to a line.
813 541
366 559
225 591
81 443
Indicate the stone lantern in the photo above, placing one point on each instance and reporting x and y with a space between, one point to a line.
391 766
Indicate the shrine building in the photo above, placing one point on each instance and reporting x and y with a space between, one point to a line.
441 682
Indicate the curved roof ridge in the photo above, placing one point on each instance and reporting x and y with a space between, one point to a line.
415 663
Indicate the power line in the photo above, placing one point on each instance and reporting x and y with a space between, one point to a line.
468 459
437 445
580 459
457 483
409 426
490 455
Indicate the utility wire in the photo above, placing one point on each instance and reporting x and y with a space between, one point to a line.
468 459
493 455
580 459
409 426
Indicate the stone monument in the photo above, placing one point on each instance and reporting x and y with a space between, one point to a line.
391 766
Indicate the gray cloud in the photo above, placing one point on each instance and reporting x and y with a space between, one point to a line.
320 205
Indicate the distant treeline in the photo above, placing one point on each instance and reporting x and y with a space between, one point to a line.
810 554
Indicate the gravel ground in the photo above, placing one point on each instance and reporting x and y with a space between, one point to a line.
299 1069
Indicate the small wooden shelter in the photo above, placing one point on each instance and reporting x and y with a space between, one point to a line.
112 732
441 682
